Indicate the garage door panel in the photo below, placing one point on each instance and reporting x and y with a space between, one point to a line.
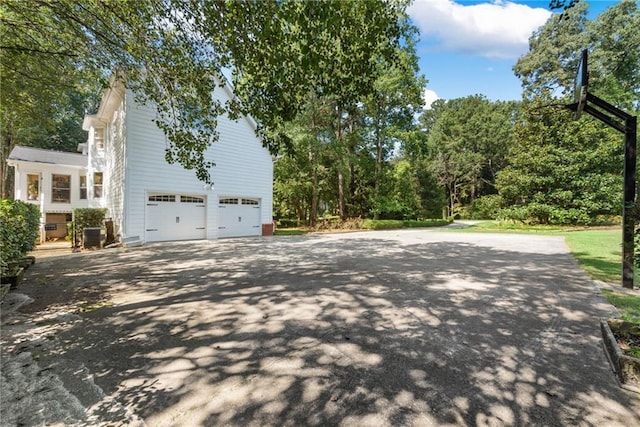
238 217
175 217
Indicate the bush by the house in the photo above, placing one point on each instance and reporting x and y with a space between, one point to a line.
87 217
19 223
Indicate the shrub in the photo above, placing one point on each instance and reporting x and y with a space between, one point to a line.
87 217
486 207
19 224
287 222
426 223
328 222
539 213
382 224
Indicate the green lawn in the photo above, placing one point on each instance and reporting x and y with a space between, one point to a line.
629 305
599 252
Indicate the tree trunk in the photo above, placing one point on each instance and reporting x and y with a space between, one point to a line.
313 212
6 175
339 136
341 194
378 170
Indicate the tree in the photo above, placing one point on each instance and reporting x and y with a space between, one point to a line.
613 39
561 171
565 171
390 113
466 143
42 102
173 54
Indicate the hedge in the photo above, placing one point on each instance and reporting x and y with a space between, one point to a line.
391 224
19 225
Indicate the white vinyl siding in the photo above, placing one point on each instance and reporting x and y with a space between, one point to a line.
243 167
115 179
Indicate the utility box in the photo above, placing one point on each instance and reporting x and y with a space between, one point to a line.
91 237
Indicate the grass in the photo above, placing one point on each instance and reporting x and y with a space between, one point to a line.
628 305
599 252
289 232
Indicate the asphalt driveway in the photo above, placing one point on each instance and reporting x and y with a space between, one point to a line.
410 327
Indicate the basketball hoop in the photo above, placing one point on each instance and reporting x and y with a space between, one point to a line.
581 85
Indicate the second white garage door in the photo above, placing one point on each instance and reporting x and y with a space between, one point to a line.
239 216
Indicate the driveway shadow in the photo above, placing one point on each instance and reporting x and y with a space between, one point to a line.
347 330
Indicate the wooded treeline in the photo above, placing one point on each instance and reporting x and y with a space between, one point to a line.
340 105
472 157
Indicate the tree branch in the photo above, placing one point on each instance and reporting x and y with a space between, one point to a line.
32 50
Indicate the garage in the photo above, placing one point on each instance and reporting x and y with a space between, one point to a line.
175 217
239 216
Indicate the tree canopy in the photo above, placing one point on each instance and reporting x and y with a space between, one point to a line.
173 54
563 171
613 41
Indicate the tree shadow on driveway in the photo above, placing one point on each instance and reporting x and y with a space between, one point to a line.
342 330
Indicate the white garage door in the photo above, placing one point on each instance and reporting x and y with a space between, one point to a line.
239 216
175 217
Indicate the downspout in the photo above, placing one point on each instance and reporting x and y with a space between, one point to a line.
43 232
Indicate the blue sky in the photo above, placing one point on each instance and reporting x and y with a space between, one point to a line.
469 47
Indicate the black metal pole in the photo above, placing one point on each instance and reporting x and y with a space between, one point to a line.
629 204
629 207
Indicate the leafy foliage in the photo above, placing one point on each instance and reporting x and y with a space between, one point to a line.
391 224
87 217
567 172
561 171
340 153
382 224
173 53
19 222
613 39
467 142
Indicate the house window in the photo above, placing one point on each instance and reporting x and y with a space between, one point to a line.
97 185
33 187
228 201
83 187
254 202
191 199
162 198
60 188
98 138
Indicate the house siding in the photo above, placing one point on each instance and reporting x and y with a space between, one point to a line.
244 168
46 171
114 179
96 163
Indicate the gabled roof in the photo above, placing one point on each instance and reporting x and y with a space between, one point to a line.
39 155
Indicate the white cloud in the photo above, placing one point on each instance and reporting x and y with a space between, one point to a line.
429 97
498 29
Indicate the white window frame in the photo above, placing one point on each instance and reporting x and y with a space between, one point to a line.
55 190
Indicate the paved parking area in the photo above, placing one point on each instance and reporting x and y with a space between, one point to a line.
409 327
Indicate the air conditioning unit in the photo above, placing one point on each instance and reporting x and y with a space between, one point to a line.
91 237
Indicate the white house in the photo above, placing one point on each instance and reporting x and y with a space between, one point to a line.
123 169
54 180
